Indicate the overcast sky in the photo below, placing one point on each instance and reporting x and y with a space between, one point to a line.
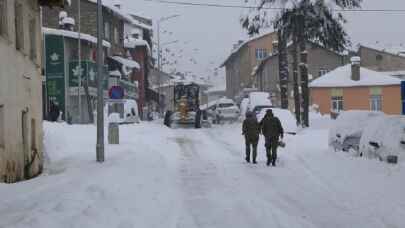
207 33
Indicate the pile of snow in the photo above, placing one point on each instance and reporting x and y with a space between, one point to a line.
341 77
388 132
286 118
244 107
351 123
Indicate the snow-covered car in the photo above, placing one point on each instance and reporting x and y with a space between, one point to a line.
226 109
259 101
286 118
348 128
384 136
127 110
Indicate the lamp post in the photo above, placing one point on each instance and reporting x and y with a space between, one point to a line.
159 56
100 77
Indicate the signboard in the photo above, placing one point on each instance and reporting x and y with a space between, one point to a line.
55 70
86 70
116 92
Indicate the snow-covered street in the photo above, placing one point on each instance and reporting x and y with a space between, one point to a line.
185 178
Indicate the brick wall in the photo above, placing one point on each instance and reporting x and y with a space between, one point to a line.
358 98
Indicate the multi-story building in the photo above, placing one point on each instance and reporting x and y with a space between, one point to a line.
244 57
138 43
116 20
21 150
320 61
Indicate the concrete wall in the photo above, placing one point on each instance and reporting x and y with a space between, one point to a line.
358 98
21 91
380 61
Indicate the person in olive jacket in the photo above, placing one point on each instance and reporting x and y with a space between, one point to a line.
272 131
251 131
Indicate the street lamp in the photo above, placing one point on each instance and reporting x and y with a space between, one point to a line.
159 54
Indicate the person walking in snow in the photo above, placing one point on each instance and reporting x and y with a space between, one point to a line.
272 130
251 131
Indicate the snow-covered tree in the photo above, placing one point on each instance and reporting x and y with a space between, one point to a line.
301 21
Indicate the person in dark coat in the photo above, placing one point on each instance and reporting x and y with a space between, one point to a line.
251 131
53 111
272 130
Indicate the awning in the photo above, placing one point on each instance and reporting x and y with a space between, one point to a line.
126 62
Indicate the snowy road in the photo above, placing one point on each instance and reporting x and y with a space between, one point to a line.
188 178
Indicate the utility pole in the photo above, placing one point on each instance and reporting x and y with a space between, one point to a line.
100 77
159 67
79 77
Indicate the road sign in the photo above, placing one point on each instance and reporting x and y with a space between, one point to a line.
116 92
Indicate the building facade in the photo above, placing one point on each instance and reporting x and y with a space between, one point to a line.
244 57
320 61
113 24
352 87
382 59
21 135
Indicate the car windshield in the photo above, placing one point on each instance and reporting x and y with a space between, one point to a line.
225 105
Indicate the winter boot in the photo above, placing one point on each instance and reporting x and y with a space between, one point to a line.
247 159
268 162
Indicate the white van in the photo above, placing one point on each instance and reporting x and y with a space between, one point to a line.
126 108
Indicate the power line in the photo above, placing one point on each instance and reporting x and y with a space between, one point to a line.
267 8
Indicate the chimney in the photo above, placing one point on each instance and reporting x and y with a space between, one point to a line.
275 46
355 60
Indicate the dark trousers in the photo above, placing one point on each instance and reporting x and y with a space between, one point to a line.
253 144
271 149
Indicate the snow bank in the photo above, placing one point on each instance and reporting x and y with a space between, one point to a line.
388 132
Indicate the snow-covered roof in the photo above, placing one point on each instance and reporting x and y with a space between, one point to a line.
110 4
341 77
133 43
74 35
126 62
398 50
237 49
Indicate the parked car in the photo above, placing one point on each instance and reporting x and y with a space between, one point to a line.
244 94
286 118
259 101
348 129
127 110
384 137
225 110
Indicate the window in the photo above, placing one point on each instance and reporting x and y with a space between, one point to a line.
2 140
375 99
19 28
337 104
337 100
261 53
3 18
33 135
107 31
33 39
322 71
379 57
